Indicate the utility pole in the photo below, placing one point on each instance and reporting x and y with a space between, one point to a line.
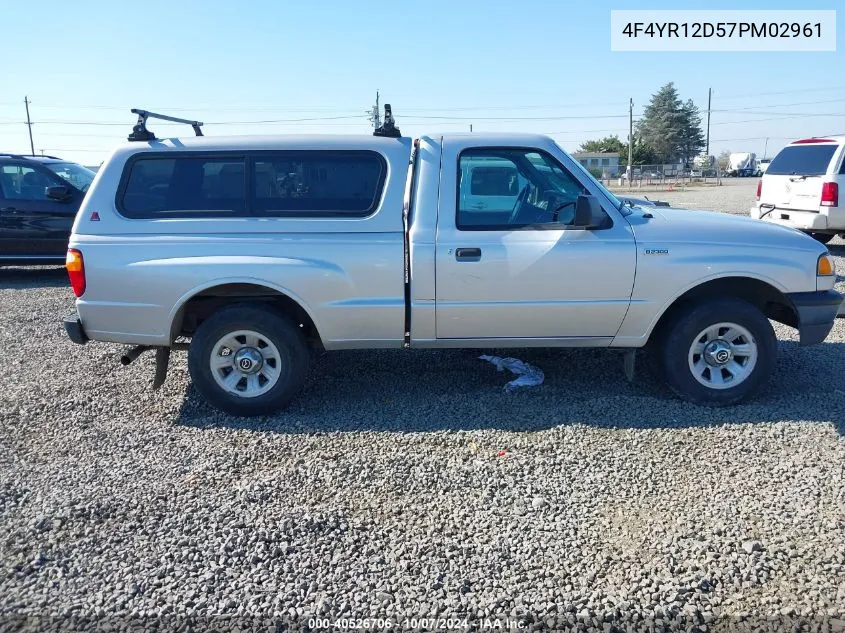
709 95
375 117
766 147
470 127
29 125
630 141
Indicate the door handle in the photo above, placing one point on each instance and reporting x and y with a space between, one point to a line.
467 254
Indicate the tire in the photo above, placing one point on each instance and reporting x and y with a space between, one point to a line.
752 353
824 238
266 347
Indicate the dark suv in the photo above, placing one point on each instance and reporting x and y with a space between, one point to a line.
39 198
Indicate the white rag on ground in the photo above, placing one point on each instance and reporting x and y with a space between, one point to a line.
527 375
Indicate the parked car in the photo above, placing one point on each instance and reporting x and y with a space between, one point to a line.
260 249
39 198
801 188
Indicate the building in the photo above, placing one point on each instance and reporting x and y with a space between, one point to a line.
605 163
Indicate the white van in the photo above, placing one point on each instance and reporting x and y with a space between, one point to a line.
801 188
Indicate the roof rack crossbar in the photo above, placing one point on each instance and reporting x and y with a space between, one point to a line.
141 133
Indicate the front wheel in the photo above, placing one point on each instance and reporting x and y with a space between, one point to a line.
719 352
248 360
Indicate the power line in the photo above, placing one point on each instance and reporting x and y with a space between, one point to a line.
412 118
441 120
244 108
779 105
323 108
410 111
792 114
524 118
776 118
781 92
752 138
254 122
408 116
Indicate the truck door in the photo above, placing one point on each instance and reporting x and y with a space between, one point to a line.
515 270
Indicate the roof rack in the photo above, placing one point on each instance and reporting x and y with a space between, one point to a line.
141 133
388 128
11 155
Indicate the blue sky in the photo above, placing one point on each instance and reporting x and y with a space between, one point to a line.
475 62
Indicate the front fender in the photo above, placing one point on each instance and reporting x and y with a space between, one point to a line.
733 274
645 312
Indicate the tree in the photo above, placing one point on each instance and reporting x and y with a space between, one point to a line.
724 160
691 141
643 153
662 124
606 144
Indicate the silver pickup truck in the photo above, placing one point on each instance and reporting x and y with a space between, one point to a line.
259 249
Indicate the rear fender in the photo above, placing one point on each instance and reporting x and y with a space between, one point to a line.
262 283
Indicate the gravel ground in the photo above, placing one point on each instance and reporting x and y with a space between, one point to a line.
410 485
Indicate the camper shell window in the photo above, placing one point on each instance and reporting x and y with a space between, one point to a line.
297 184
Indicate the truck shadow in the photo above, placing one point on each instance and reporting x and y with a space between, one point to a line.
430 391
33 277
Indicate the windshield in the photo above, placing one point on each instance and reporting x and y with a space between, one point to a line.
616 201
77 175
803 160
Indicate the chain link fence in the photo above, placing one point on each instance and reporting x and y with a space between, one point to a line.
646 175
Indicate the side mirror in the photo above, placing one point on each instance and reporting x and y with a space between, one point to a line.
587 212
58 192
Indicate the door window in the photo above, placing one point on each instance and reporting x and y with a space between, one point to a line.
19 182
502 189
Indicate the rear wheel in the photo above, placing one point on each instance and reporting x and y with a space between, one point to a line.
719 352
248 360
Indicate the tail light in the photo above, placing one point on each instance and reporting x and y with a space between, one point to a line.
76 271
830 194
759 188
